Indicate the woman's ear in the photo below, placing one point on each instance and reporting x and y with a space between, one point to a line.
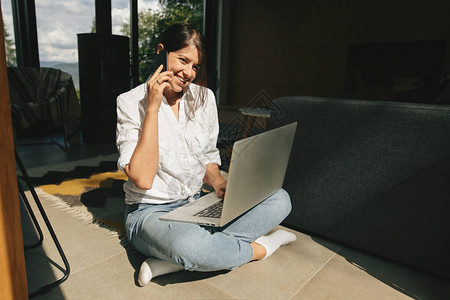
159 48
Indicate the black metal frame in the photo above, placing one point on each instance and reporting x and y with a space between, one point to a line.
25 32
46 288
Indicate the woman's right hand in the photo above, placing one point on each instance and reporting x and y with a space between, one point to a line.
156 85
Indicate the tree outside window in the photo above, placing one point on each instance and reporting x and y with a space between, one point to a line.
153 22
9 48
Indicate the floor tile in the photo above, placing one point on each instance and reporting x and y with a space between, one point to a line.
114 278
36 152
353 274
280 275
96 160
84 244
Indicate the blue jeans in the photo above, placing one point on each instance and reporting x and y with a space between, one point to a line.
202 248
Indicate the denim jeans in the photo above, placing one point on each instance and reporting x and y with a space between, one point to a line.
198 247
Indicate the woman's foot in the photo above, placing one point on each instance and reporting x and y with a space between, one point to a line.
274 240
153 267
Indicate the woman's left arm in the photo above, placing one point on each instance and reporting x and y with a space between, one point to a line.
214 179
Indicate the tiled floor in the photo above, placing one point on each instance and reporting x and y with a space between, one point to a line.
309 268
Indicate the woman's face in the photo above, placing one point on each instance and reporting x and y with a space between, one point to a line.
185 65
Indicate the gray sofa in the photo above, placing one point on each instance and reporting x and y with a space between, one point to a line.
373 175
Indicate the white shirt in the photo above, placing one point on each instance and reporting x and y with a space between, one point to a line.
186 145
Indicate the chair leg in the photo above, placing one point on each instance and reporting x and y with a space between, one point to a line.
60 116
66 271
242 129
33 217
249 126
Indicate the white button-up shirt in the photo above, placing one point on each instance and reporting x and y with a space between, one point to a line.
186 145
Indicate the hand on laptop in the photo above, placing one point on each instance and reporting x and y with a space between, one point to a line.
214 179
220 189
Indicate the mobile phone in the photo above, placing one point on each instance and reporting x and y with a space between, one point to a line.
161 59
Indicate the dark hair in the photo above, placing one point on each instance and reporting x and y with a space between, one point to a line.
178 36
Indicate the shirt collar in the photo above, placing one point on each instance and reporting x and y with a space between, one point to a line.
188 95
189 92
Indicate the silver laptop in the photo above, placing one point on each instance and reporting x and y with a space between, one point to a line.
257 168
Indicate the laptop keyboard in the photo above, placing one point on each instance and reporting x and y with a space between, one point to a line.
213 211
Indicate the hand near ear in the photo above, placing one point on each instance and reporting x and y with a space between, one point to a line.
156 85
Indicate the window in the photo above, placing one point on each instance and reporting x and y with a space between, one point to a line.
9 33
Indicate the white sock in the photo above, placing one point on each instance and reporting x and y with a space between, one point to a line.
153 267
274 240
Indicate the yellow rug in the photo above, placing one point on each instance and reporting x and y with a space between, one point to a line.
98 199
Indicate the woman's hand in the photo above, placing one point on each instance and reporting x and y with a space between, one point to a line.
156 85
220 189
214 179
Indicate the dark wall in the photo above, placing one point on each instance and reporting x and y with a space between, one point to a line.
300 47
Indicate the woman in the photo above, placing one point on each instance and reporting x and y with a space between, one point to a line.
167 130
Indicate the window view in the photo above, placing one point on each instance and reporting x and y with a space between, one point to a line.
59 22
9 33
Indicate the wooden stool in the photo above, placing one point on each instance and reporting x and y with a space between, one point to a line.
250 114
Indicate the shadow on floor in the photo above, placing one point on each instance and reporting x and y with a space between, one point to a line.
38 264
410 282
406 280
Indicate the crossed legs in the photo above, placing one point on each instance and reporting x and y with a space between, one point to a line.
173 246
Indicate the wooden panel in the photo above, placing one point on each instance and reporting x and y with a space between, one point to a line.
301 46
402 20
291 45
13 282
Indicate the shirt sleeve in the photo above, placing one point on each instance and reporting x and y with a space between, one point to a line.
128 128
212 153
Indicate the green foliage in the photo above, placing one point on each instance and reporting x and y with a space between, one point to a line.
9 48
94 26
153 23
182 11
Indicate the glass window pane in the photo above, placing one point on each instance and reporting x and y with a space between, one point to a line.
9 33
58 23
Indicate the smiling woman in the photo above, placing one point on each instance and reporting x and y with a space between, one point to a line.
167 131
155 19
